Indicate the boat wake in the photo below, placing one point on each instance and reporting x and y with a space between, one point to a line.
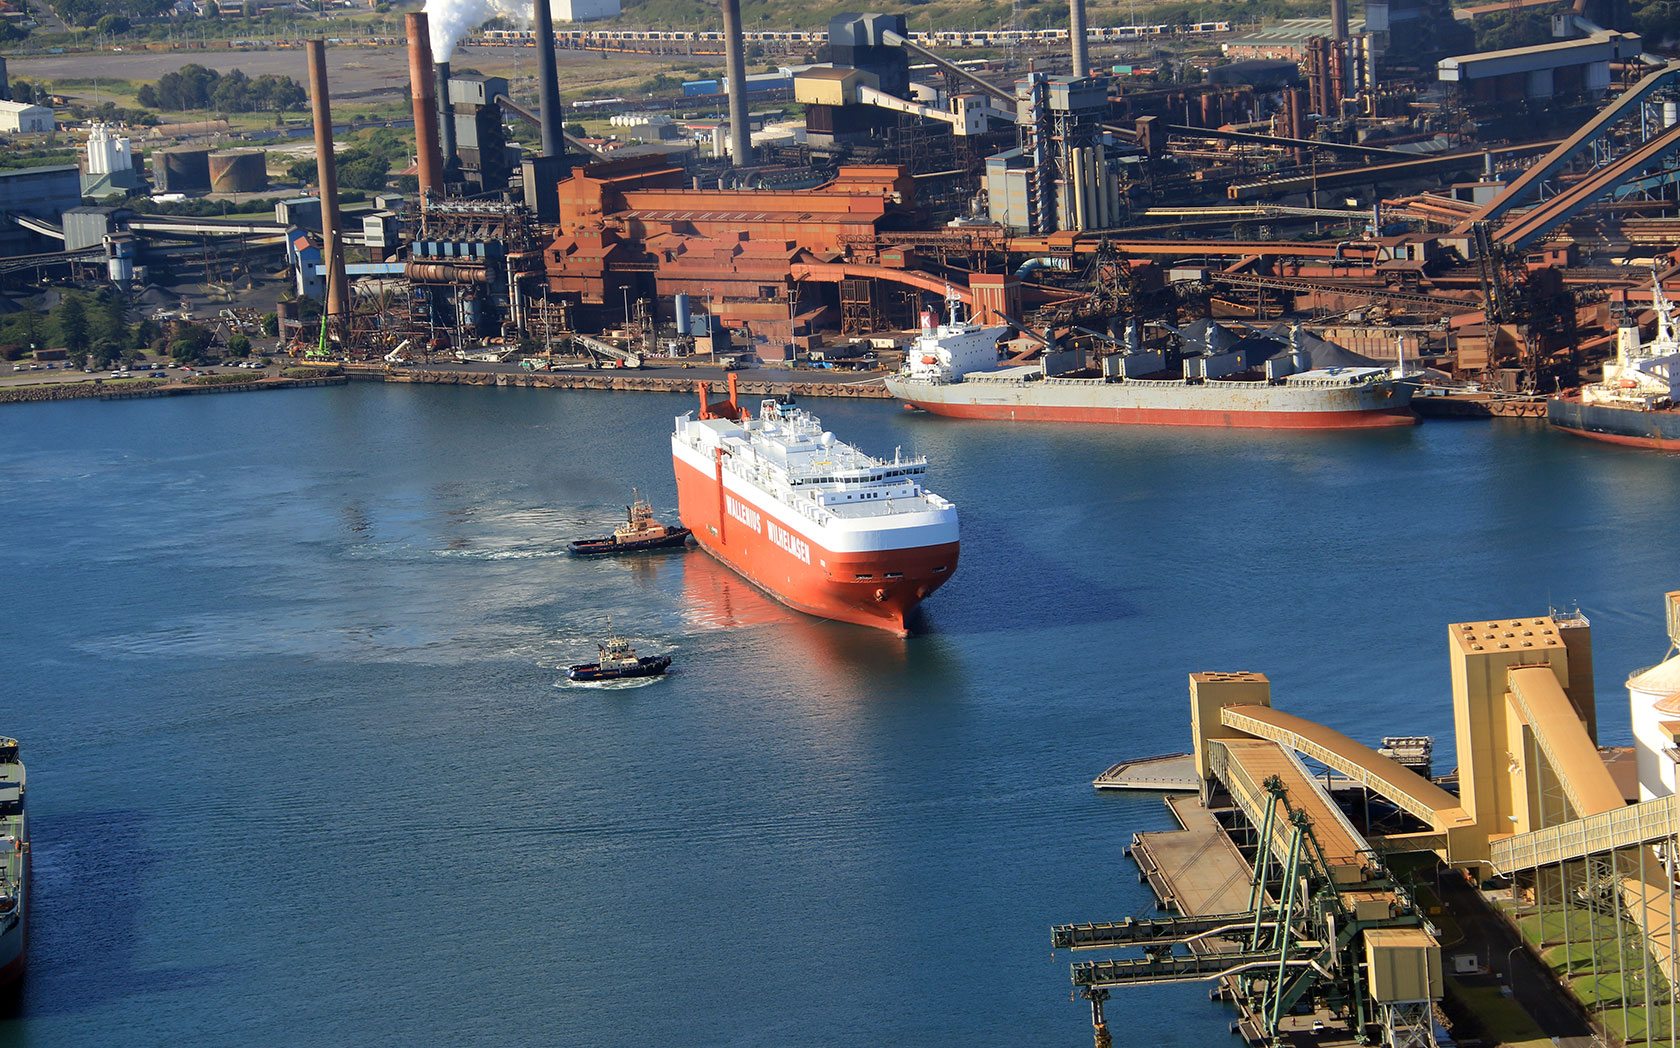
610 685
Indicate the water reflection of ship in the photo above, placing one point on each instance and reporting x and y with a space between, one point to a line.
797 646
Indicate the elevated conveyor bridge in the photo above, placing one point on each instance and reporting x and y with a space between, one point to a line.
1408 790
1624 106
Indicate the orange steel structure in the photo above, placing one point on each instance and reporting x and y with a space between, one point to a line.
631 227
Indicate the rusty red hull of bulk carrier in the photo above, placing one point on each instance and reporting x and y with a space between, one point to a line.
1174 417
878 588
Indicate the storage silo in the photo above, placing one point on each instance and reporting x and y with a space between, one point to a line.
238 171
181 170
1654 699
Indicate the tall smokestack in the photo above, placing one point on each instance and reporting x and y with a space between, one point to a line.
424 88
548 83
1076 35
735 72
446 126
326 172
1339 21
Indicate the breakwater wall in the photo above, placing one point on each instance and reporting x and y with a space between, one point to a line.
622 381
35 394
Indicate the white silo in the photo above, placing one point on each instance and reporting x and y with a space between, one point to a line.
1654 699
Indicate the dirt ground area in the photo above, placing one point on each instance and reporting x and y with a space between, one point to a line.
353 72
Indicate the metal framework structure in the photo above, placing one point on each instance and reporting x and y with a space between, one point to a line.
1298 940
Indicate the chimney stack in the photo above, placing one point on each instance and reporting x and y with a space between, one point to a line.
446 127
548 83
326 172
735 72
1076 36
423 86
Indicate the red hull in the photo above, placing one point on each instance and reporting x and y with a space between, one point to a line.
850 587
1178 417
1651 443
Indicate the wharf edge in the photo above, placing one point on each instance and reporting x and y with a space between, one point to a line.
619 381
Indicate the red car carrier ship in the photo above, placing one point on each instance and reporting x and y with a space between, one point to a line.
816 523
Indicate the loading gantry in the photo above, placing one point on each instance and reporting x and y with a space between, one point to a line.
1314 938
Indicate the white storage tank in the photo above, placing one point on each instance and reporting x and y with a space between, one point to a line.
1654 699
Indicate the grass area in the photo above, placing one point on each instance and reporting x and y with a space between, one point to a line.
1576 943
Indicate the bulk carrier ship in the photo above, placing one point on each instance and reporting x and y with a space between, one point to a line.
1257 382
14 865
1634 405
813 521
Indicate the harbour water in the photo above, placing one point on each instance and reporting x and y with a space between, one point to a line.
303 770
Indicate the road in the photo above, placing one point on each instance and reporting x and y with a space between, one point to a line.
1532 983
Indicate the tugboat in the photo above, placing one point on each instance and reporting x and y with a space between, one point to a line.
618 661
640 532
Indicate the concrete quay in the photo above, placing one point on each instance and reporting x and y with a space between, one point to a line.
750 384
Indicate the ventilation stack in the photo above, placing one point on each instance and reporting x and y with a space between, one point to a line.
735 74
1341 54
548 83
326 171
423 86
1076 35
446 127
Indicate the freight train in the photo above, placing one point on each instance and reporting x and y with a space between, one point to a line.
651 39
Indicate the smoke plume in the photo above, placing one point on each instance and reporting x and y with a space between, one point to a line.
453 19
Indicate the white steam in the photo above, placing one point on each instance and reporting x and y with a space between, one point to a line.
453 19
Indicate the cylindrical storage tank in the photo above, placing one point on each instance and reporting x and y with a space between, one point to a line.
181 170
239 171
1654 700
685 324
1671 114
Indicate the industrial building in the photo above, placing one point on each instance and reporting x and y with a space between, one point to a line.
1565 67
111 169
25 118
1059 178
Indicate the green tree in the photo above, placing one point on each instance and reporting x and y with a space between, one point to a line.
145 333
238 346
73 324
271 324
113 25
189 341
104 353
109 318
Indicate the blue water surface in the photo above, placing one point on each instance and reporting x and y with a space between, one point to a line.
303 770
